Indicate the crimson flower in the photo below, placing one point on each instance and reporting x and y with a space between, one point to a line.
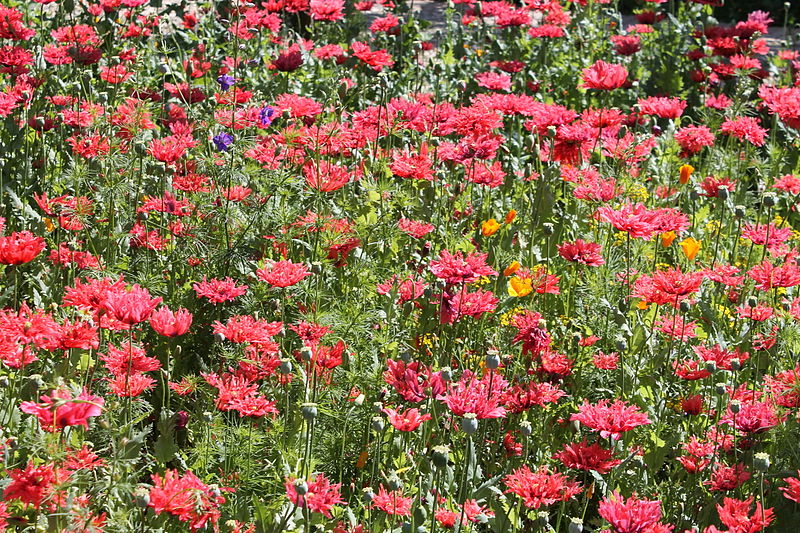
283 273
186 497
583 456
541 487
604 76
171 324
131 307
393 503
610 420
320 496
61 410
406 421
581 251
20 247
632 516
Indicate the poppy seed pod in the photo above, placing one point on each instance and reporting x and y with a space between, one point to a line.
446 373
548 228
394 482
285 366
306 353
492 361
575 525
752 302
723 193
309 411
736 406
739 211
301 487
141 496
369 494
316 267
761 462
684 306
469 423
405 355
219 337
377 407
736 364
378 424
711 366
621 344
770 200
720 388
525 428
440 455
542 519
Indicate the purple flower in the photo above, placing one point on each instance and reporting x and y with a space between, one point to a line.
223 141
226 81
265 115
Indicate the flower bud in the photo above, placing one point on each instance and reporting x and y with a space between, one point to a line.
469 423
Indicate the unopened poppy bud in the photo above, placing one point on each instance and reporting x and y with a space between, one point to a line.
469 423
739 211
378 424
309 411
622 132
711 366
141 496
575 426
736 364
761 462
656 130
4 382
446 373
285 367
770 200
548 228
525 428
359 401
575 525
440 455
723 193
735 407
720 388
492 361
